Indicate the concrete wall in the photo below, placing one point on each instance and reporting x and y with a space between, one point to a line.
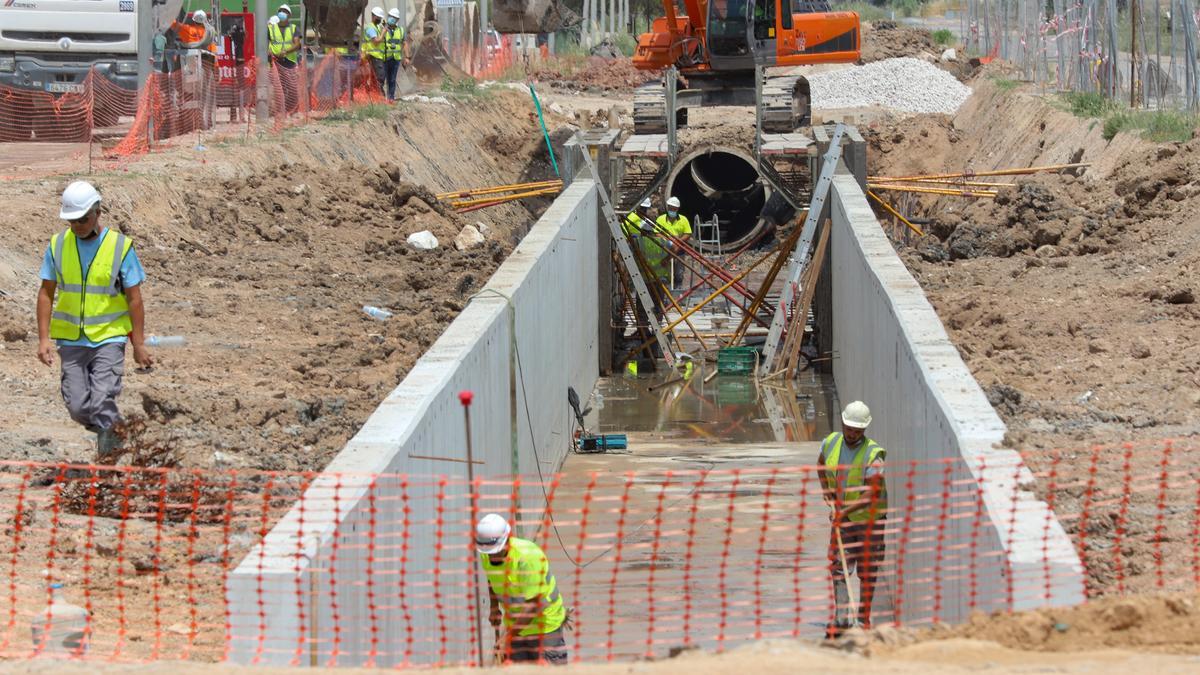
303 597
993 544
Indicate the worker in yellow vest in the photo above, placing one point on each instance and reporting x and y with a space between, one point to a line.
527 610
98 281
282 40
673 223
396 51
852 482
374 47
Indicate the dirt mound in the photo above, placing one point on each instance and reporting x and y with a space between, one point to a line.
597 75
888 40
1160 623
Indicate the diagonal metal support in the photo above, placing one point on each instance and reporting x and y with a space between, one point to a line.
800 256
631 266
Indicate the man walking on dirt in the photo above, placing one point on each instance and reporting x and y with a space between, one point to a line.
852 483
374 47
97 277
524 596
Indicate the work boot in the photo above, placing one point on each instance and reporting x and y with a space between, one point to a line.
108 446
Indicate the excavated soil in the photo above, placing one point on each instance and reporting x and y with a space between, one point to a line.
888 40
1071 296
262 254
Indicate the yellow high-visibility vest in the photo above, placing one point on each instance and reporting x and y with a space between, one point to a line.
854 487
95 306
395 43
522 577
279 39
375 50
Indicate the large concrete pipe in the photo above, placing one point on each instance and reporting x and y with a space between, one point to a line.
721 181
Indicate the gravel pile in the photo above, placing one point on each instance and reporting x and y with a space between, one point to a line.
903 85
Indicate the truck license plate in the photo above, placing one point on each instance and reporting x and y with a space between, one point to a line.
65 88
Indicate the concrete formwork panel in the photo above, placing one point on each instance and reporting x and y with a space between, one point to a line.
990 543
303 597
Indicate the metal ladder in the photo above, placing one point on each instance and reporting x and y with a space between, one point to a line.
799 258
631 266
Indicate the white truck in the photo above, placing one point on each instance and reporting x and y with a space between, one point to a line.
52 45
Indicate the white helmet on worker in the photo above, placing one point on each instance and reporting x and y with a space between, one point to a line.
857 415
285 8
491 534
394 13
378 12
646 203
78 199
673 203
199 16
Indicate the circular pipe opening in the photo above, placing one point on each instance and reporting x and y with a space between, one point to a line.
721 182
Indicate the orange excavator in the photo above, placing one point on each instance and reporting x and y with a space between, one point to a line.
717 44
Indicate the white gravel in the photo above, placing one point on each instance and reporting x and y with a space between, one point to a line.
904 85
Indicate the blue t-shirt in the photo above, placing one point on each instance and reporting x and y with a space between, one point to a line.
131 275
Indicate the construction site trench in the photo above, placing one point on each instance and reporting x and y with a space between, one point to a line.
1067 298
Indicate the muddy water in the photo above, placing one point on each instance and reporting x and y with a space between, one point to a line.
727 409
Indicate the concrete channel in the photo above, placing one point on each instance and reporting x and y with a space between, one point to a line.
374 565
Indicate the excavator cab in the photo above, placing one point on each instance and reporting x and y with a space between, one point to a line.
741 33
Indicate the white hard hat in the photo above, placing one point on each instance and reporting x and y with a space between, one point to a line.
683 357
857 415
199 16
77 200
491 534
274 21
378 11
394 13
646 203
673 202
285 8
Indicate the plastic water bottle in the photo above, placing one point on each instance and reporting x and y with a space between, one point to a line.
377 313
62 629
166 341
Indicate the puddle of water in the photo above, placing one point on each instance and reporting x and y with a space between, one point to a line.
727 409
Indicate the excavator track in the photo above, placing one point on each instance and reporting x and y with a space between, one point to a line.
786 105
650 109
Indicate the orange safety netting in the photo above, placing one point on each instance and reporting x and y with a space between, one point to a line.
380 569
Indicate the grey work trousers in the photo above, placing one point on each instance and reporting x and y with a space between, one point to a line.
91 382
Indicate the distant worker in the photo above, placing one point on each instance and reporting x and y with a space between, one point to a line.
374 47
675 224
523 595
283 41
97 277
853 485
195 33
284 45
396 51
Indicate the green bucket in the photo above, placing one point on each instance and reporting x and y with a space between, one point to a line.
736 360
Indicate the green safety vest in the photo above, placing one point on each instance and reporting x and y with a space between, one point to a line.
280 38
853 487
395 43
523 576
95 306
372 49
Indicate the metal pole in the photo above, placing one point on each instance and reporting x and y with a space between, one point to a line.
465 397
262 54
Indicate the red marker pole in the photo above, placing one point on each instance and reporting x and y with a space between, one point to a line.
465 397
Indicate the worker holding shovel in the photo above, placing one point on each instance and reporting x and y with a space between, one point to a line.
527 611
852 483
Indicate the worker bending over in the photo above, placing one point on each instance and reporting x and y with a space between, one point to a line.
524 595
853 485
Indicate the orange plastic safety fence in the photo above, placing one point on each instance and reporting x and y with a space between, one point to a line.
380 570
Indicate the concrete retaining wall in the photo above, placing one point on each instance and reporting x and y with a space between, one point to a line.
303 597
892 351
